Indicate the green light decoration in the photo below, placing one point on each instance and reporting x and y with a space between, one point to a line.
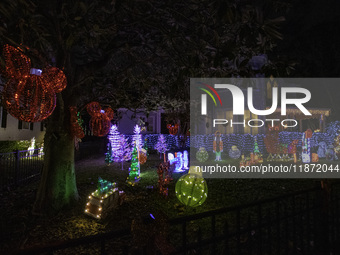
104 187
191 189
202 155
108 154
145 146
134 170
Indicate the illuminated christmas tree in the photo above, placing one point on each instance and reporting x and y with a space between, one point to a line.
256 148
108 154
161 145
134 170
137 137
114 138
124 150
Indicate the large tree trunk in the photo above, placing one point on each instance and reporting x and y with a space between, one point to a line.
58 181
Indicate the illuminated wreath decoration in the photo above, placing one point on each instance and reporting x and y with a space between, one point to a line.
100 122
76 122
173 129
30 94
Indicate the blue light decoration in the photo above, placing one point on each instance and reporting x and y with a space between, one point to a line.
185 160
305 154
180 162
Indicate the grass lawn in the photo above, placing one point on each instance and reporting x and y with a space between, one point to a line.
21 228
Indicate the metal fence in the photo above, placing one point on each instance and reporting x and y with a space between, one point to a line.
19 167
304 222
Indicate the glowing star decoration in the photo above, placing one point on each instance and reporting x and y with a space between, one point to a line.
100 122
30 94
202 155
191 189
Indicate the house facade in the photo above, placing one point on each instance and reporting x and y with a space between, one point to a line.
12 129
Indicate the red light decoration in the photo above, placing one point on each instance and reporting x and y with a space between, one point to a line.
28 96
76 128
173 129
100 122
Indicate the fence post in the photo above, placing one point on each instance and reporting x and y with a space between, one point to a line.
16 167
321 220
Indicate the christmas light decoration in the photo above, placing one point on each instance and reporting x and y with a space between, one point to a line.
218 146
100 122
142 156
108 154
161 145
306 153
234 152
191 189
134 171
322 150
76 123
137 137
106 196
185 160
179 163
202 155
124 151
145 146
164 178
173 129
31 148
114 138
29 94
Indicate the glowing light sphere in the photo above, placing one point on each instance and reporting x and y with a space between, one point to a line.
234 152
191 190
55 77
100 122
29 94
202 155
29 99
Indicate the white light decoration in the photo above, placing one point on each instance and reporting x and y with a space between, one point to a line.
137 138
185 160
171 158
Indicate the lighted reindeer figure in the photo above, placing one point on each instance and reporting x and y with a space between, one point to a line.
31 148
